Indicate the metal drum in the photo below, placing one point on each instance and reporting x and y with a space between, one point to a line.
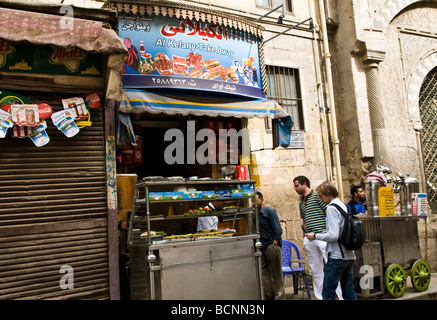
372 198
411 185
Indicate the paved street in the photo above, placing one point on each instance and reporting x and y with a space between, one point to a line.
410 292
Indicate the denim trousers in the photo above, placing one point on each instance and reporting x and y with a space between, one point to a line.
316 255
338 270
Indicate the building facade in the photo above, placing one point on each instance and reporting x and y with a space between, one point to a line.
56 226
359 79
385 89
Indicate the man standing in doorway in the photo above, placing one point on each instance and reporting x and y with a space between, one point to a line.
313 215
271 243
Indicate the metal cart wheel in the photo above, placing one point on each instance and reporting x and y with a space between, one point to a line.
420 275
395 280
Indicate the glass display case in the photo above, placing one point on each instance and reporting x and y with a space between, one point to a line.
170 257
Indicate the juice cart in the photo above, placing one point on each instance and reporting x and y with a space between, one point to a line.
392 241
399 255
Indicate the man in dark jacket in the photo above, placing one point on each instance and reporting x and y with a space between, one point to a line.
271 259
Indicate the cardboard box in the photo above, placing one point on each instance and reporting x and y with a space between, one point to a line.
248 190
237 191
219 194
209 194
193 195
174 195
156 196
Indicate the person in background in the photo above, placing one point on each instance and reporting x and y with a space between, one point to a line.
313 215
271 243
339 267
358 202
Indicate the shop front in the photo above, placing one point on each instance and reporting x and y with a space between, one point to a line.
192 79
57 75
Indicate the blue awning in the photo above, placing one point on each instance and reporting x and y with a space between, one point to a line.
139 101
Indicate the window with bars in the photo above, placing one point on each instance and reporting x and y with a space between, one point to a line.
283 86
428 115
274 3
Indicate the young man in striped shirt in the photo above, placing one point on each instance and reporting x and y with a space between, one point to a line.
313 215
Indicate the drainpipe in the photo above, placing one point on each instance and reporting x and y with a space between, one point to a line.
333 120
320 94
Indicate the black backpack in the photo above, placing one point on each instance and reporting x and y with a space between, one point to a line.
353 235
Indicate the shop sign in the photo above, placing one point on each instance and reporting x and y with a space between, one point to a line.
297 140
7 97
27 58
188 54
386 202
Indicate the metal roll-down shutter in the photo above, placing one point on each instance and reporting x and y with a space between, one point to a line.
53 214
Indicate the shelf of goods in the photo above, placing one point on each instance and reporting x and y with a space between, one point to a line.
170 259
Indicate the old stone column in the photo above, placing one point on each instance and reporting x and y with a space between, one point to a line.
380 147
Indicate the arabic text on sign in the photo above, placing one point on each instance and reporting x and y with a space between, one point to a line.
133 26
190 29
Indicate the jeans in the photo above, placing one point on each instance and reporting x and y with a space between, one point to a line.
316 255
339 270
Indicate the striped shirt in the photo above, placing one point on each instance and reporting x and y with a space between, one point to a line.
313 212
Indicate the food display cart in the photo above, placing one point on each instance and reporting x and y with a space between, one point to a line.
392 249
169 259
392 241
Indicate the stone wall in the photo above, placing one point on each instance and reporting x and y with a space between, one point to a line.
399 37
428 241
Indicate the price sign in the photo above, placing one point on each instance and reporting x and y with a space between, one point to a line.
386 202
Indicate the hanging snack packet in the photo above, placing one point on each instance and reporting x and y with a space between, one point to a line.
25 115
78 107
64 121
5 122
40 137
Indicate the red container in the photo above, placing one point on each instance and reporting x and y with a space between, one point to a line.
240 174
